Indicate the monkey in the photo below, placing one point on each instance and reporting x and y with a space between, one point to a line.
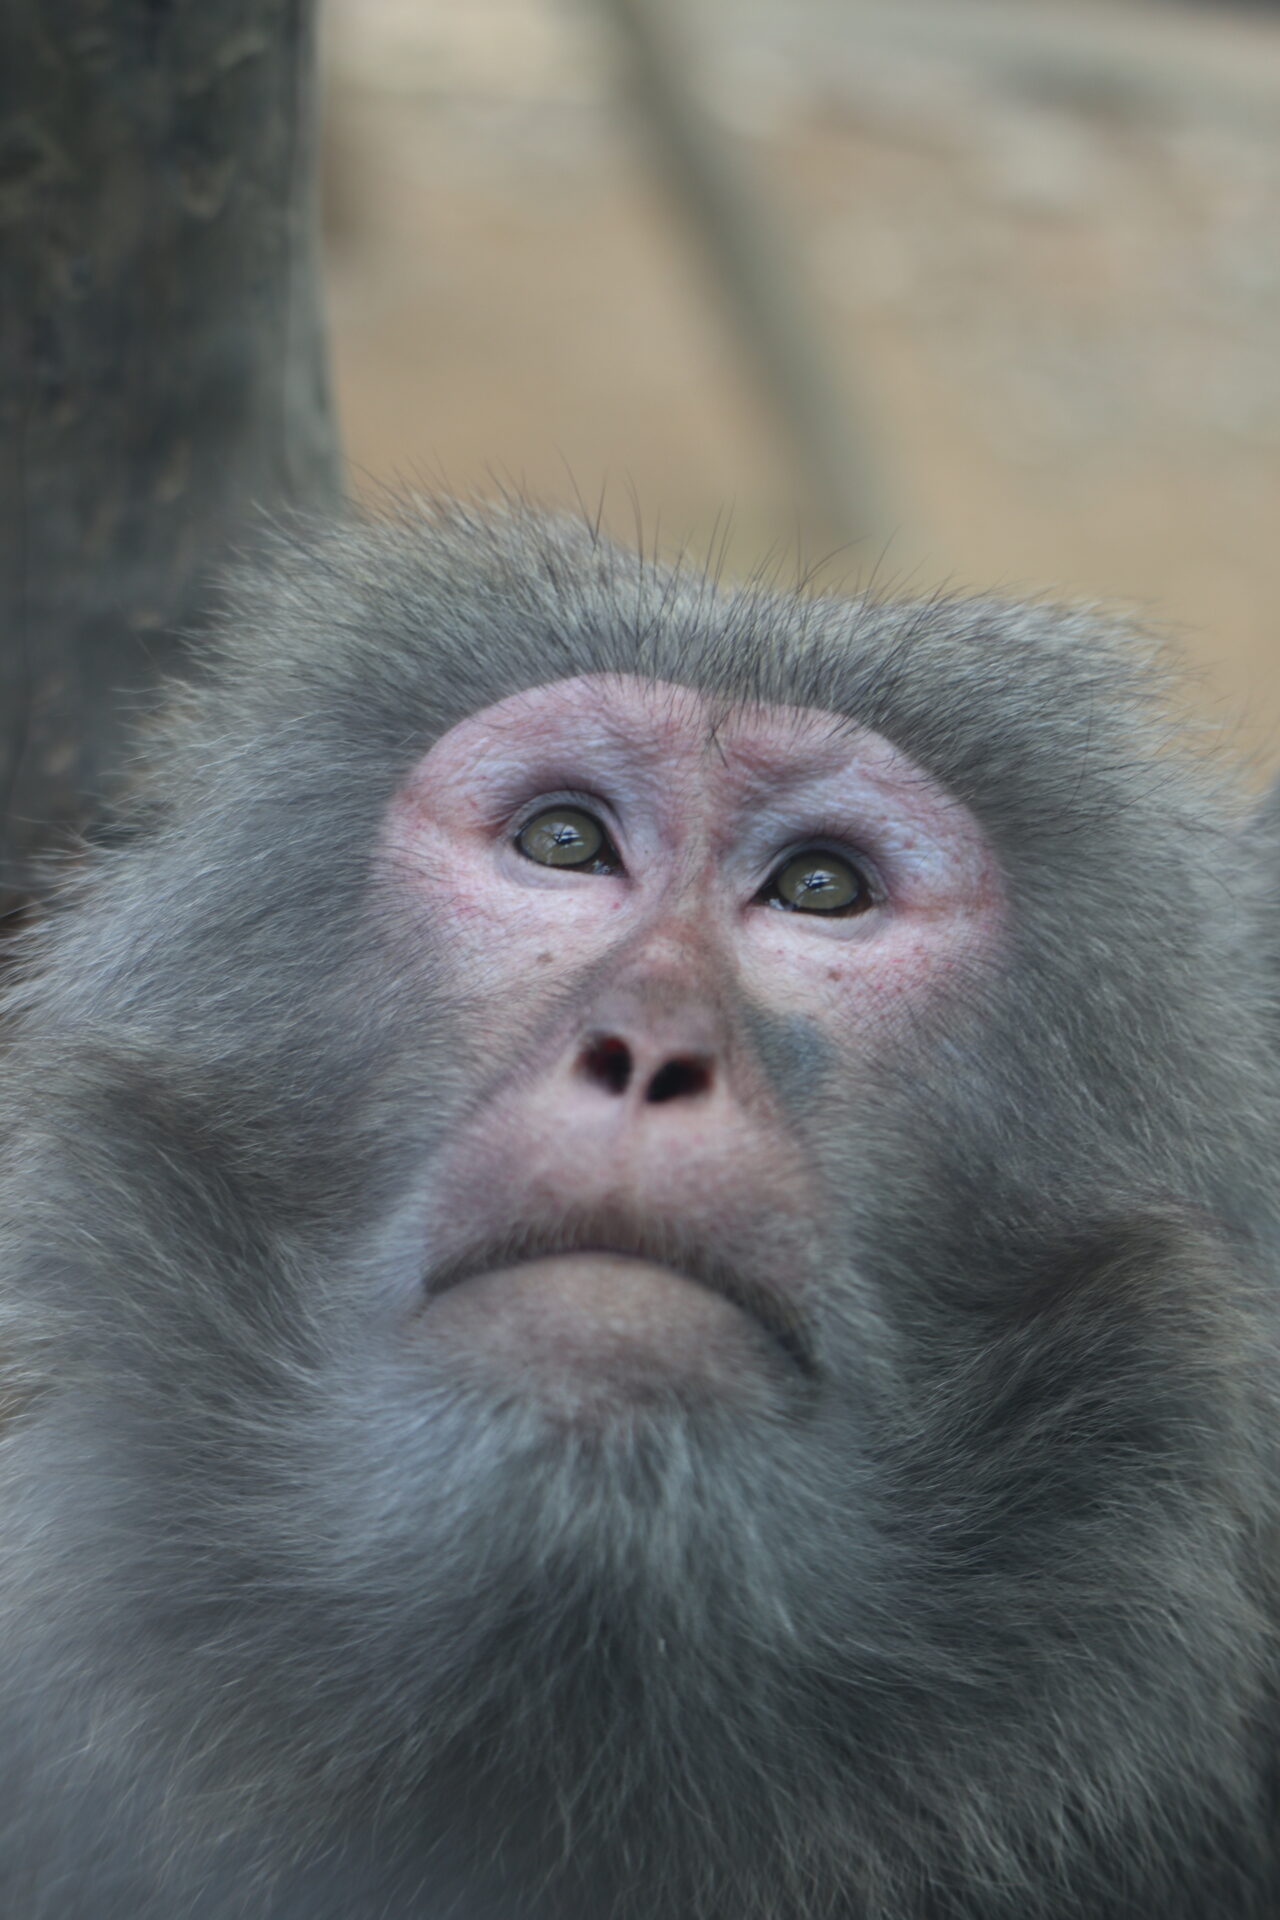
638 1267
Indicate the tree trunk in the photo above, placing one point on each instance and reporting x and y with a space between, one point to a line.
162 368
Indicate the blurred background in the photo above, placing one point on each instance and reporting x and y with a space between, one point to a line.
974 292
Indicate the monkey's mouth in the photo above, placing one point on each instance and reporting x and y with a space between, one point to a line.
625 1245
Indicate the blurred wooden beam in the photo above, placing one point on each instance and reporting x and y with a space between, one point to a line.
162 367
758 278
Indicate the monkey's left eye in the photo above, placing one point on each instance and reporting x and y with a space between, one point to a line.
817 881
567 836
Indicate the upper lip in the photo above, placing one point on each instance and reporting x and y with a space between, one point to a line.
661 1244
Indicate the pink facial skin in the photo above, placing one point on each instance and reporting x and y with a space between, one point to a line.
627 1107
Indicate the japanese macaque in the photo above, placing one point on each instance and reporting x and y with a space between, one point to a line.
639 1270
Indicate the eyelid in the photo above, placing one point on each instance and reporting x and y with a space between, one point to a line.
591 803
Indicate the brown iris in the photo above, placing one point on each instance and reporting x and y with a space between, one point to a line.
567 836
818 881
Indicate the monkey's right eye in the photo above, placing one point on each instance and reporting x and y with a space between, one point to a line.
565 836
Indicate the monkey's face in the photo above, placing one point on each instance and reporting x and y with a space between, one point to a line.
678 936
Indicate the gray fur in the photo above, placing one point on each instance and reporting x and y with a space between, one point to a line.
990 1636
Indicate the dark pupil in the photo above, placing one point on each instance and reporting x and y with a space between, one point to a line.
817 887
561 837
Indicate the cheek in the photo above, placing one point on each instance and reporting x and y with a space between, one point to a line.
488 930
881 977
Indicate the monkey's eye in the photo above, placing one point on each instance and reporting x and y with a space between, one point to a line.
817 881
567 836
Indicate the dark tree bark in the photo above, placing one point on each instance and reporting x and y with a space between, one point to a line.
162 370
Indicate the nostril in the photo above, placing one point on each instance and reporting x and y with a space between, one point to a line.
679 1080
608 1062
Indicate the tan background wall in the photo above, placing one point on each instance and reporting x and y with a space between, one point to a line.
1039 240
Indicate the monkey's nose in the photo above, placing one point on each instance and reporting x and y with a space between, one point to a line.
610 1062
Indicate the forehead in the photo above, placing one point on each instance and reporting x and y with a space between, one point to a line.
659 723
